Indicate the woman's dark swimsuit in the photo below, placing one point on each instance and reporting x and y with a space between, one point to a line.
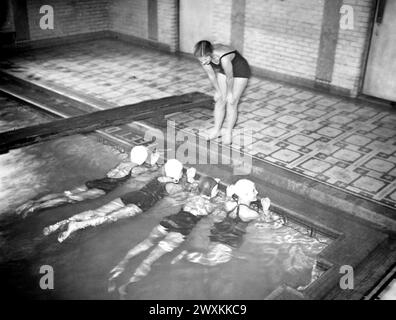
230 231
182 222
107 184
146 197
240 67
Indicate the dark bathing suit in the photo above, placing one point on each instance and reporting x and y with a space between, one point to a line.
240 67
107 184
147 196
230 231
182 222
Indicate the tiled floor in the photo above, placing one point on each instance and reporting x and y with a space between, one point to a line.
348 145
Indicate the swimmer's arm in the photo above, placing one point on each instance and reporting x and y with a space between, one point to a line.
173 188
230 205
192 186
228 70
212 77
121 170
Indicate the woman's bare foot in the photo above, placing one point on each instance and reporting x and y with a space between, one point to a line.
122 291
227 138
179 257
213 134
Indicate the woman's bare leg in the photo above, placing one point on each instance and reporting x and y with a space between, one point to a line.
54 200
107 213
217 254
170 243
219 109
232 109
157 233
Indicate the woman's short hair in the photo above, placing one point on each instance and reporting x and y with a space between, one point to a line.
203 48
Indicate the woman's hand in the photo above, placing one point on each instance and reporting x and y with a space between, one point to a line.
266 203
191 174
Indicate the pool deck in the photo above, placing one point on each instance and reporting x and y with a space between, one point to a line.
310 149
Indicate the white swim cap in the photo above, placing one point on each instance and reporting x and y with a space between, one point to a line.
173 169
243 187
139 155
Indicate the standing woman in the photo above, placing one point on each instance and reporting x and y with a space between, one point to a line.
229 73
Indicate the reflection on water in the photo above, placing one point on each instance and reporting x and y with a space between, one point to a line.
15 115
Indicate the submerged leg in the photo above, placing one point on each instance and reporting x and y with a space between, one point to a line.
170 243
315 274
83 216
85 195
217 254
52 228
47 201
156 233
32 206
100 216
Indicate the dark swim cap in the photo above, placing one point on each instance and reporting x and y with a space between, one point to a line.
206 185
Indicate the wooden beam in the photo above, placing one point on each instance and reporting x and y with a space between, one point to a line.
101 119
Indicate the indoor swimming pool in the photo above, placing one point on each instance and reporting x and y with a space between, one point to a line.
269 257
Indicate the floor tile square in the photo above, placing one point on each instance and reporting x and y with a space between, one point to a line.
347 155
379 165
300 140
315 165
286 155
369 184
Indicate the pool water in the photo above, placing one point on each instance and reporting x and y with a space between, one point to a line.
268 257
15 115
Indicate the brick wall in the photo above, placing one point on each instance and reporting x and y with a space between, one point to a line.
8 24
351 47
70 17
168 23
129 17
283 36
221 16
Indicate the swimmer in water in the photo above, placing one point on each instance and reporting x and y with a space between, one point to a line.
130 167
173 229
228 233
128 205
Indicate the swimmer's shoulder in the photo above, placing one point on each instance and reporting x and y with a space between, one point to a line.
247 214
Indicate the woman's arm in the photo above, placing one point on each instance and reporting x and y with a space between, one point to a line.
227 67
212 77
122 169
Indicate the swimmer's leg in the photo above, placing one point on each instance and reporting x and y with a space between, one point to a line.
170 243
85 195
83 216
110 212
49 200
315 274
218 253
156 233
